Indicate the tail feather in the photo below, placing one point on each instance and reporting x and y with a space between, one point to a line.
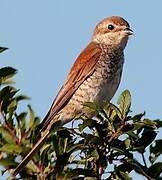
36 147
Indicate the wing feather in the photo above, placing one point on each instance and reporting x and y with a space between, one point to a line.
83 67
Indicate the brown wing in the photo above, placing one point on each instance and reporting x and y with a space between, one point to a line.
83 67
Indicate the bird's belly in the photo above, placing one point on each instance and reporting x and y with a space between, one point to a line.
97 90
107 91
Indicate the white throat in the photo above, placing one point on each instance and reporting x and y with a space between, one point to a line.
111 39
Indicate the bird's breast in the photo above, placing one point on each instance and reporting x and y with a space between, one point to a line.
101 86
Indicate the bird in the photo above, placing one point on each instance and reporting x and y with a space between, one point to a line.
94 77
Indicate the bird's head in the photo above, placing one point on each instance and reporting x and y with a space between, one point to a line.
112 31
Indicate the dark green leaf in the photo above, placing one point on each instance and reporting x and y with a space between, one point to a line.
138 117
21 121
95 154
21 97
147 137
118 150
6 162
6 97
87 123
61 161
92 139
79 171
11 149
155 170
150 123
125 176
138 167
7 93
33 121
44 151
155 150
12 106
3 49
137 126
111 111
7 137
74 147
125 167
6 73
90 178
92 106
158 123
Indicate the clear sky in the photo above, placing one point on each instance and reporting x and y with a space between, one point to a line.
45 37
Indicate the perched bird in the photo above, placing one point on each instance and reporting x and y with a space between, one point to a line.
94 77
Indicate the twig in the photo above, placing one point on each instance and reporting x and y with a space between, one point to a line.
117 133
7 127
143 158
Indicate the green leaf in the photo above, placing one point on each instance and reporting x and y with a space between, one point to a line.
21 121
155 150
124 103
55 143
31 168
7 162
111 111
2 49
120 174
136 126
92 139
150 123
44 152
92 106
90 178
158 123
10 119
79 171
7 82
147 137
6 73
32 116
125 167
62 161
12 106
127 143
87 123
7 93
21 97
95 154
120 151
7 137
132 135
6 97
125 176
74 147
11 149
33 121
138 117
138 167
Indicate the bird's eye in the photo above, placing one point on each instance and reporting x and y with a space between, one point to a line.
110 27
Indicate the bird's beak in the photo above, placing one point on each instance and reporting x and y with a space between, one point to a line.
128 31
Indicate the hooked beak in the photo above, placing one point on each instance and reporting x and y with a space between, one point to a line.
128 31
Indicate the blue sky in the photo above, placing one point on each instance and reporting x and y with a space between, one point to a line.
45 37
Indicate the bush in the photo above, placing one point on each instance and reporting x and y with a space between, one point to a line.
109 146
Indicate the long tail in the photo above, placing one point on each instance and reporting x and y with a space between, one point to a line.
28 157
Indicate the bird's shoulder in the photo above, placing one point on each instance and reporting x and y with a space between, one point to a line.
88 57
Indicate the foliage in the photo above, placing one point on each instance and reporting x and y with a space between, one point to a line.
109 146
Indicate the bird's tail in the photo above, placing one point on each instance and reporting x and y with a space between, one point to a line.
28 157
